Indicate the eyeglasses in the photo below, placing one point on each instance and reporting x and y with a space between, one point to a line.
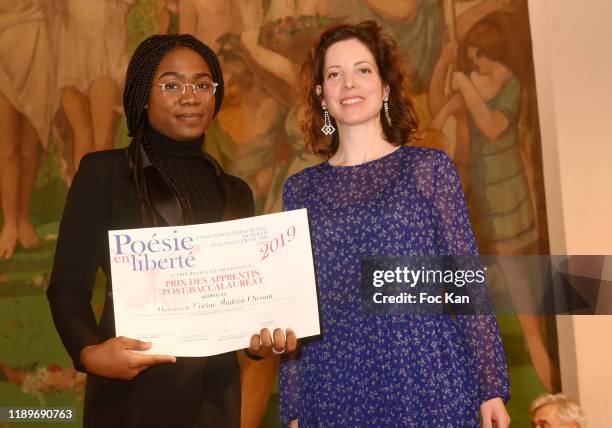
203 90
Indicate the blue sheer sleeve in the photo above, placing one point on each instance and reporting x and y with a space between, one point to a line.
455 238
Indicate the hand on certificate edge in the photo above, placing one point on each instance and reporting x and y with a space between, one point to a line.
263 344
114 358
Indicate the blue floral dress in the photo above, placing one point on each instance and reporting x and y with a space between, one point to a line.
387 370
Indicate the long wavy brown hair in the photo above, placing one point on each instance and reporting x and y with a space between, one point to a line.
393 72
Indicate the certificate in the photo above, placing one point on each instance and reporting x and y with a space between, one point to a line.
205 289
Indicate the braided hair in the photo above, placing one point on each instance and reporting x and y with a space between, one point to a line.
138 81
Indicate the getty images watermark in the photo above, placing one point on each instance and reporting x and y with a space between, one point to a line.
476 285
424 285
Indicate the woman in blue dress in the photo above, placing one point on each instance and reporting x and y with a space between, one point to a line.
375 195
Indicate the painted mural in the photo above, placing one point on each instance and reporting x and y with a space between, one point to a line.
62 64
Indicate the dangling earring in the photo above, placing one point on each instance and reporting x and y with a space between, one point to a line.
386 108
327 128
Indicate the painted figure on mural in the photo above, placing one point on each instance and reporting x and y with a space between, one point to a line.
248 131
417 25
209 20
489 96
167 16
92 58
27 88
274 53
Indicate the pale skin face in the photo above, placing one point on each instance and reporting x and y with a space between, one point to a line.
187 117
352 89
546 417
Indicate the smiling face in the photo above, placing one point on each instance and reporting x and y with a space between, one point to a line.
180 117
352 89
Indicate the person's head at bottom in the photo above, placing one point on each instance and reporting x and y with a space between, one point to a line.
556 411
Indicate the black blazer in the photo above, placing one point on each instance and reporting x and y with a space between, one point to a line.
192 392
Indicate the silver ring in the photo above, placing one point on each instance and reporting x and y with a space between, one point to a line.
279 352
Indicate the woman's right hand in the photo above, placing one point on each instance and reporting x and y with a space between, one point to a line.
293 424
115 358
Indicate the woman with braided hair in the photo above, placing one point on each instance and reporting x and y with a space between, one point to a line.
174 87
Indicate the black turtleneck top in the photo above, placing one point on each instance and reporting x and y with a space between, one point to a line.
195 174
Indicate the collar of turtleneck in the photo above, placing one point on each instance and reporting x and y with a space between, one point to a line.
166 146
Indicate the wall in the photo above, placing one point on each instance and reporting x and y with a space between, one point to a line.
574 80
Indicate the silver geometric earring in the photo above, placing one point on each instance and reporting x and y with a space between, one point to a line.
386 108
327 128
